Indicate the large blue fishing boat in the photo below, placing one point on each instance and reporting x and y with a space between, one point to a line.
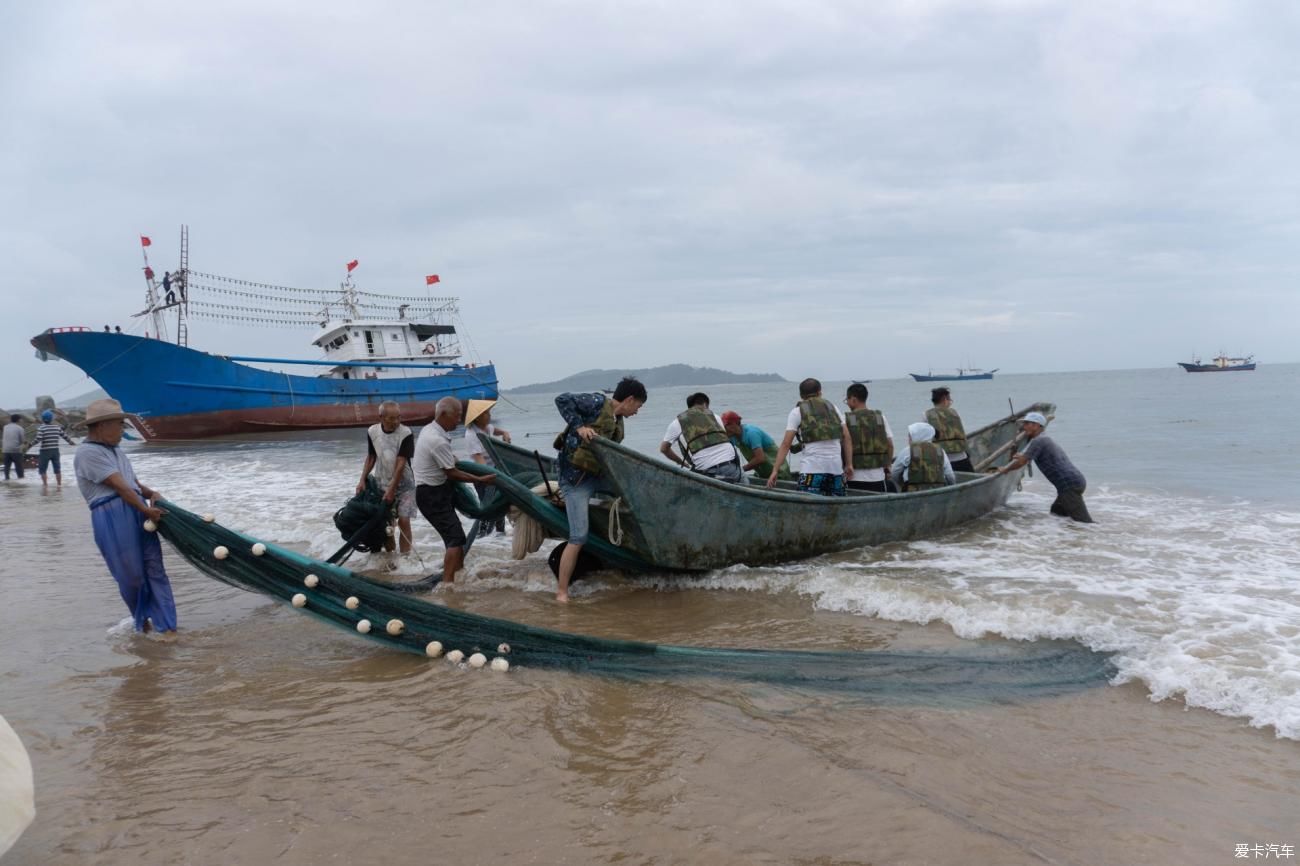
963 374
1221 364
374 347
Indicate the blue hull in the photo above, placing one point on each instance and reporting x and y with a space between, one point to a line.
176 393
1214 368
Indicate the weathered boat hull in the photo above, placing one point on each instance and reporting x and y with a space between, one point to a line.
174 393
679 520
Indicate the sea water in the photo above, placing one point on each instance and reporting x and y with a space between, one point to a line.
1189 576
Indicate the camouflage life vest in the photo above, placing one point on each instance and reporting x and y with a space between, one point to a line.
925 466
606 425
949 434
870 444
818 420
700 430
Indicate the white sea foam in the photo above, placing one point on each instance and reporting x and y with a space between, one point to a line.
1197 599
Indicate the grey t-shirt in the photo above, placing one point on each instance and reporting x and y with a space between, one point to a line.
433 455
1054 465
13 437
95 462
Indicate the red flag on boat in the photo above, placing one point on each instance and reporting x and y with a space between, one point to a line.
148 273
144 241
352 264
431 279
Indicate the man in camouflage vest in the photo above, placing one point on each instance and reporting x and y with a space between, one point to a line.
705 447
873 443
826 461
587 416
949 433
924 465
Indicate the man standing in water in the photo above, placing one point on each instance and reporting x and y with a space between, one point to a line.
1056 468
435 472
119 506
14 434
390 448
587 416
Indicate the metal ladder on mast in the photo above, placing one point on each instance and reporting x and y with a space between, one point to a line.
182 327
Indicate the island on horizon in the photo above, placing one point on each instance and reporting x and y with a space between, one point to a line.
652 377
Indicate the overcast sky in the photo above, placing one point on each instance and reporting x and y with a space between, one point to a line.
829 189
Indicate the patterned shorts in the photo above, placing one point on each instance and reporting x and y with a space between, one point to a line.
822 483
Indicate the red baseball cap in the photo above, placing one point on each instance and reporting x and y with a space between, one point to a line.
730 418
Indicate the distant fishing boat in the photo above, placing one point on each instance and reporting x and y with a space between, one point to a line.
1221 364
375 347
963 374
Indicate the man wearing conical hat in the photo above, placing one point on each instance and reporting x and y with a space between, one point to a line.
119 506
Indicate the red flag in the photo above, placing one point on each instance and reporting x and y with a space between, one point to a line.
431 279
352 264
148 273
144 241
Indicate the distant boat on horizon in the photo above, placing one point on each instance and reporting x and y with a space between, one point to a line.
1221 364
963 374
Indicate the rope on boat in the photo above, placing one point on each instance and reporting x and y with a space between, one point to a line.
614 530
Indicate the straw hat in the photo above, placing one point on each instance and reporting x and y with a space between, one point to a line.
104 410
477 408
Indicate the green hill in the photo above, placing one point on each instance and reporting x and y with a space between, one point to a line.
653 377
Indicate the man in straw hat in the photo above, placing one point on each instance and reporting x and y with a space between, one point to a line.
1056 468
119 506
478 423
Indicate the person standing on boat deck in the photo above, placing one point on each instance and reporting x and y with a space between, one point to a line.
14 435
1056 468
119 505
47 440
754 445
435 472
924 465
704 444
169 293
478 423
949 433
587 416
827 457
873 443
390 450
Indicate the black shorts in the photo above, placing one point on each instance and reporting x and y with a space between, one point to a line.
436 504
962 465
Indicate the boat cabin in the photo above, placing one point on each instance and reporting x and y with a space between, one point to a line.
373 340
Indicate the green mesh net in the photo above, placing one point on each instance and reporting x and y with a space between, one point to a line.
978 674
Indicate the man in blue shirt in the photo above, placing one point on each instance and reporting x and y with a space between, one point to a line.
758 448
1056 468
587 416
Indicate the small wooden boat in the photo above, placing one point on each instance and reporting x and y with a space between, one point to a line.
674 519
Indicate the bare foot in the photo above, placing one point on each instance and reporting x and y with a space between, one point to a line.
562 597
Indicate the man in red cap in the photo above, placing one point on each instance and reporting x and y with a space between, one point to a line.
755 446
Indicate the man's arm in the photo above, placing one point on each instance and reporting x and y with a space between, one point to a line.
949 477
503 433
365 472
781 453
122 489
666 449
757 457
847 442
1016 462
455 474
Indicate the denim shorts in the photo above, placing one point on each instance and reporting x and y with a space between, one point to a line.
577 500
47 459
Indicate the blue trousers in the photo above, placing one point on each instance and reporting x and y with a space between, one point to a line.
134 557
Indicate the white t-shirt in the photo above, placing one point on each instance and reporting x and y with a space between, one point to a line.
707 458
433 455
869 475
473 446
819 457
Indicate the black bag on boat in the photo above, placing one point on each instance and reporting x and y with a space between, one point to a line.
362 520
587 563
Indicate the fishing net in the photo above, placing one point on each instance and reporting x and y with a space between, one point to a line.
282 574
362 521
